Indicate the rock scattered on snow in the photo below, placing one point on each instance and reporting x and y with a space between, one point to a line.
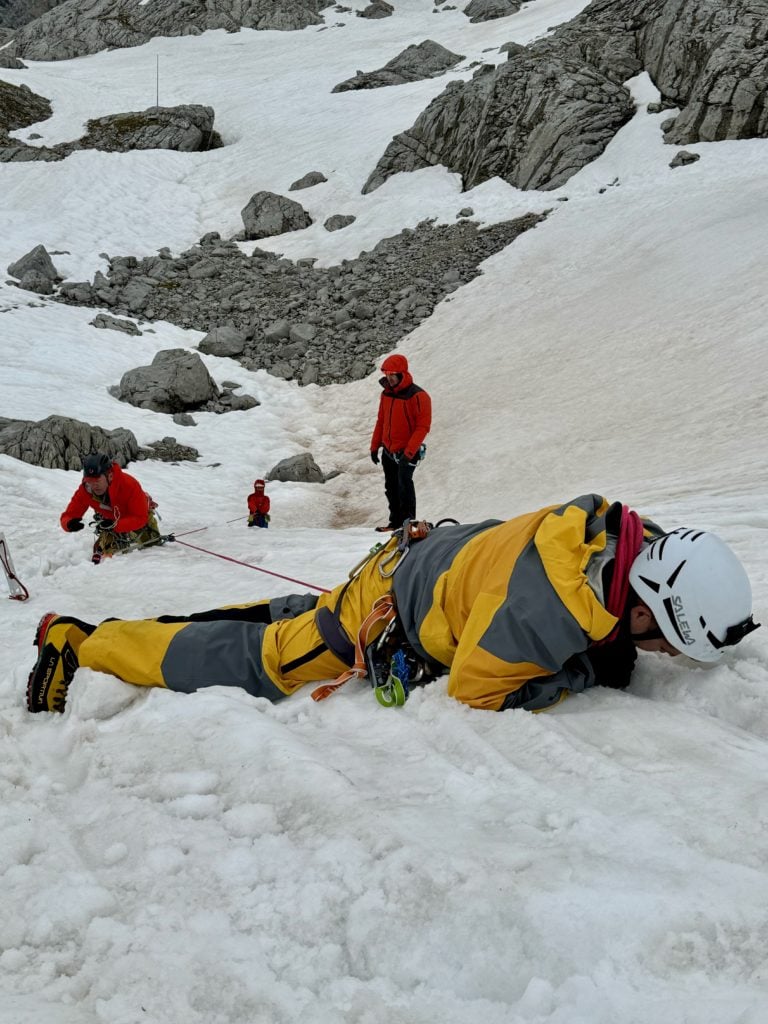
338 221
267 214
113 323
313 325
298 468
413 64
308 180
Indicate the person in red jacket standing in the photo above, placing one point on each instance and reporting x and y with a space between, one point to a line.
258 506
405 416
124 513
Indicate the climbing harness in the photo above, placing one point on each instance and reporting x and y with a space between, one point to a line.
388 661
18 592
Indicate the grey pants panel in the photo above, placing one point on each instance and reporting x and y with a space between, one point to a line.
222 653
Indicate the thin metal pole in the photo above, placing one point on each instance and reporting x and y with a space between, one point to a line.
157 82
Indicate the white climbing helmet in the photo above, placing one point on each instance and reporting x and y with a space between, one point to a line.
697 590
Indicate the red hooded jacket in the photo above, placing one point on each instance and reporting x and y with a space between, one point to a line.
124 501
258 503
405 412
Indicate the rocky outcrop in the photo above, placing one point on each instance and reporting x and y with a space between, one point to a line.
555 105
7 60
15 13
80 27
489 10
711 60
175 381
60 443
413 64
19 107
186 128
267 214
314 325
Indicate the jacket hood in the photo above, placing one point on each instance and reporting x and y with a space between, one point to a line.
395 364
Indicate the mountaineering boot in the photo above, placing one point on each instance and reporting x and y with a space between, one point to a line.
58 640
389 528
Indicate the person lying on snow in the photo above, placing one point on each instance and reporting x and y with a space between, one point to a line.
124 513
520 613
258 506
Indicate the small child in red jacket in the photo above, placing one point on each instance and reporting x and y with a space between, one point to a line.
258 506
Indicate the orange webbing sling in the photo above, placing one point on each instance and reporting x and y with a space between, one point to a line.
383 611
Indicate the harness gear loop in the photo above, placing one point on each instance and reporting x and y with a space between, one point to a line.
383 611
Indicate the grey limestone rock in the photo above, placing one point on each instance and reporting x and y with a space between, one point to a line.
377 9
183 419
59 442
308 180
302 322
682 158
186 128
80 27
113 323
298 468
338 221
33 281
224 341
168 449
533 122
176 381
489 10
37 261
20 107
268 214
424 60
9 61
15 13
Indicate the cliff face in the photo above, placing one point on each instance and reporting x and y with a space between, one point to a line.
15 13
556 104
79 27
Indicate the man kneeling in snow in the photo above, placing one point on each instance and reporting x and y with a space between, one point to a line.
521 613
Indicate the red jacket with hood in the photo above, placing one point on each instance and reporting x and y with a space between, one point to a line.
258 503
124 501
405 412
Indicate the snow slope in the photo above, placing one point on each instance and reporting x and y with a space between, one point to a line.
217 860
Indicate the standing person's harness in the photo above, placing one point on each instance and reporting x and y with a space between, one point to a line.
389 662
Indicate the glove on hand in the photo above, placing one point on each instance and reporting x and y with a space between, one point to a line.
104 525
73 525
375 457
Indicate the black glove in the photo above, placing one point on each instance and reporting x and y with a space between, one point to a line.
375 457
104 525
73 525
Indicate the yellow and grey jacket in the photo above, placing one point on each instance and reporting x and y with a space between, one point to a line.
512 607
